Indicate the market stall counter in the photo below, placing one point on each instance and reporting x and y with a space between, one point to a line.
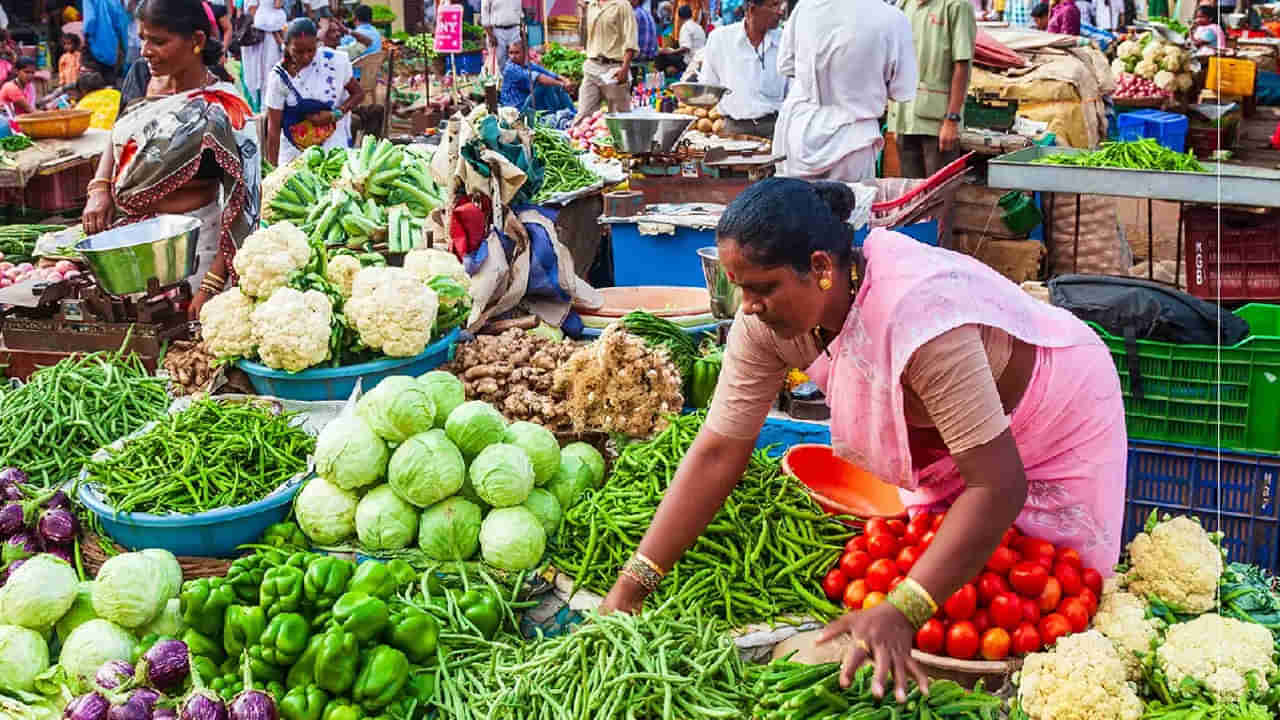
52 174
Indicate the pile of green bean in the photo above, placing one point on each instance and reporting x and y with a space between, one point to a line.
564 169
66 412
1144 154
787 690
761 558
211 455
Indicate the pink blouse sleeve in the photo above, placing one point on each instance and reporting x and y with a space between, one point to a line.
750 378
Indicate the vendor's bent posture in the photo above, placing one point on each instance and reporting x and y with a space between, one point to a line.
743 57
523 80
944 379
830 124
610 29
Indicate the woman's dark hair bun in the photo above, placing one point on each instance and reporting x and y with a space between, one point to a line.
211 54
838 196
784 221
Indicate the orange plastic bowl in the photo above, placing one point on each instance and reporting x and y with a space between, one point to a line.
840 487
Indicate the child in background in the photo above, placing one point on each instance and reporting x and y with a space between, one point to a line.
1207 33
69 63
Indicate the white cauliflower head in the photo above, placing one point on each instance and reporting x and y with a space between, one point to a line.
1081 678
1122 617
341 271
268 256
1177 562
1165 80
392 310
1172 59
1152 51
224 324
428 263
1118 68
1128 48
1146 69
1219 652
292 329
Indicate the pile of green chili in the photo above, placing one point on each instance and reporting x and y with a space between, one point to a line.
761 558
1144 154
564 169
211 455
66 412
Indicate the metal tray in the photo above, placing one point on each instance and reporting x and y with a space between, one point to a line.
1225 184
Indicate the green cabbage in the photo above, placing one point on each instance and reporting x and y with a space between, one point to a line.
93 644
450 530
426 469
39 592
589 455
502 475
129 590
446 392
81 611
474 426
512 539
398 407
572 480
168 623
384 521
172 570
546 508
349 453
325 512
541 446
23 656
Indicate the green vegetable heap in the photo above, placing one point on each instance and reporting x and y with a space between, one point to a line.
18 242
15 143
564 61
564 171
798 691
1144 154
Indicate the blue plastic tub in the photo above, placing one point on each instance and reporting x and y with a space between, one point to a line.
658 259
467 63
1168 129
216 533
337 383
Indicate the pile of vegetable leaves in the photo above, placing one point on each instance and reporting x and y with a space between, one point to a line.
1247 593
564 61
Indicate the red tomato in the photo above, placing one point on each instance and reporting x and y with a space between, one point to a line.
1092 579
1031 548
1068 577
880 574
1026 639
1002 560
1028 578
937 521
877 526
1052 627
858 542
1051 596
882 546
834 584
873 599
1076 613
907 558
1090 601
1030 610
1070 557
962 640
981 620
1006 611
894 582
990 585
1010 537
916 529
926 540
929 638
854 564
963 603
897 527
855 594
996 643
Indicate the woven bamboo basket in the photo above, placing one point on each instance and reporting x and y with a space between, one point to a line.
55 124
92 554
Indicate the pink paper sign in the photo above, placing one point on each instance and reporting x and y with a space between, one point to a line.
449 28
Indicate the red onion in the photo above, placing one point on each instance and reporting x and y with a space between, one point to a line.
87 707
113 674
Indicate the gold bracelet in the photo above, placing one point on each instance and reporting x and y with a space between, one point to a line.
643 575
652 565
913 601
98 189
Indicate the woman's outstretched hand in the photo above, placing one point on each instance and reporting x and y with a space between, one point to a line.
881 635
625 596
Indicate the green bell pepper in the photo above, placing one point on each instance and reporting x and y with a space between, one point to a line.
361 615
204 668
414 633
402 572
302 559
337 661
383 675
304 703
343 710
481 608
261 668
703 379
204 604
285 639
201 645
281 590
243 627
246 574
373 578
303 671
285 535
326 580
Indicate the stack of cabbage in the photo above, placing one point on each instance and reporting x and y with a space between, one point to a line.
134 595
413 461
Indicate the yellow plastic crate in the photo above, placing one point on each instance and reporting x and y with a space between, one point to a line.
1231 77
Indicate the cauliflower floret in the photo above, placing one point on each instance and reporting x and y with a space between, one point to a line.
292 329
272 183
268 256
1081 678
1164 80
1146 69
1152 51
1128 48
341 271
1118 68
224 324
1220 652
392 310
429 263
1122 618
1172 59
1177 562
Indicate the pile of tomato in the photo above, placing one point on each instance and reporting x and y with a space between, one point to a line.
1028 595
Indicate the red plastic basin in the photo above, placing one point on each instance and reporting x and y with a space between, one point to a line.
840 487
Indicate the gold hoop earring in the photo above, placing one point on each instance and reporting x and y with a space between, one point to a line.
196 50
825 284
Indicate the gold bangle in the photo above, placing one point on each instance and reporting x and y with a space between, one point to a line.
913 601
99 183
652 565
98 189
644 575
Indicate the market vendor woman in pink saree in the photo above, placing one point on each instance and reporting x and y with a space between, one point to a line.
943 378
189 148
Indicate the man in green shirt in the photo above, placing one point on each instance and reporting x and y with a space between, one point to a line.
928 128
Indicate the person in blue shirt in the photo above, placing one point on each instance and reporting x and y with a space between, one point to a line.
522 80
365 32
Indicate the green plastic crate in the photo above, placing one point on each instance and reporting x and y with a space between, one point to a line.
1203 395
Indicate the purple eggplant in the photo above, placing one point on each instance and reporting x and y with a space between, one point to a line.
166 664
131 709
57 500
87 707
253 705
203 704
11 518
57 526
19 547
146 696
164 714
113 674
12 477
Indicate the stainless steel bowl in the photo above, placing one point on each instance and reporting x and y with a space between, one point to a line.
725 296
125 259
699 94
646 132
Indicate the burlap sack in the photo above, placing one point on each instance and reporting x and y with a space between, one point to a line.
1101 249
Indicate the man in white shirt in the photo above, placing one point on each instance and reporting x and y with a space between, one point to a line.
830 123
1106 14
501 20
744 57
692 37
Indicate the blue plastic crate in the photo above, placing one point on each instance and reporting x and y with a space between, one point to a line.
467 63
1168 129
1233 492
664 259
1131 126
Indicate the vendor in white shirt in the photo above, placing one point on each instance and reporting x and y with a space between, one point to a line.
692 39
501 20
743 57
830 123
